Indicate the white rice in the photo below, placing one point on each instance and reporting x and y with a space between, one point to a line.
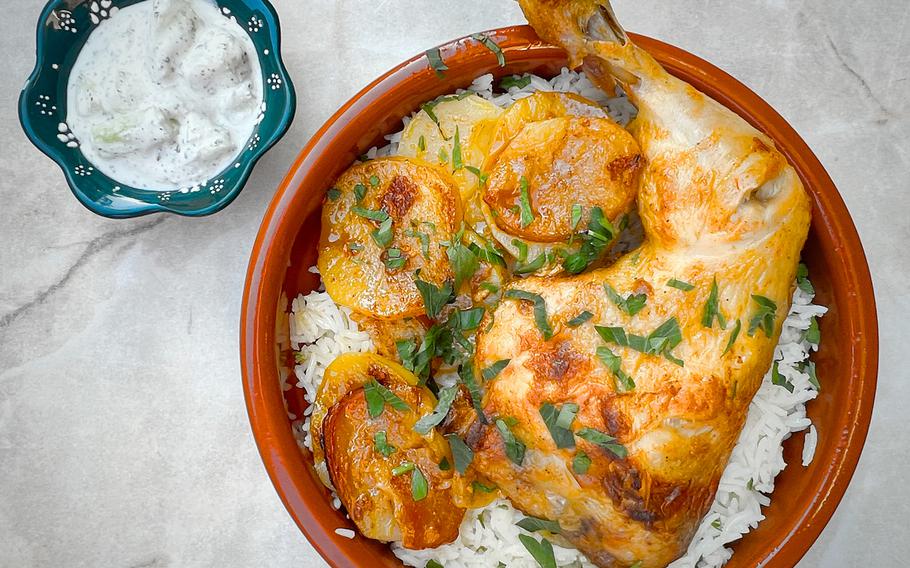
320 331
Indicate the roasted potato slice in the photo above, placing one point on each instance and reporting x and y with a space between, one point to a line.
382 221
376 481
555 165
431 136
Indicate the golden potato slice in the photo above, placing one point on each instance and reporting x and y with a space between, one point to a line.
539 106
368 265
349 371
554 166
472 118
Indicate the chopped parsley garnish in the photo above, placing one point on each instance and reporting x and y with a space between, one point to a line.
778 379
599 234
540 310
519 82
457 163
605 441
515 450
422 143
433 564
333 194
434 297
423 238
522 249
542 551
624 383
481 177
493 370
814 333
489 287
715 524
378 395
680 285
638 564
444 464
382 445
466 374
371 214
431 420
355 247
580 319
469 320
461 453
661 341
478 486
813 378
435 59
802 279
360 191
383 235
532 266
534 524
580 463
374 181
527 215
763 316
577 212
488 252
492 46
733 335
712 309
419 486
559 422
463 261
631 304
443 155
394 259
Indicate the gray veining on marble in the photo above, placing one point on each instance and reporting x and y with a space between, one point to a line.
124 440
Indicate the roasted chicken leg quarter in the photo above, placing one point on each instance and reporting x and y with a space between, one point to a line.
649 364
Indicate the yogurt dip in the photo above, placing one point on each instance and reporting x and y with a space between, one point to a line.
165 94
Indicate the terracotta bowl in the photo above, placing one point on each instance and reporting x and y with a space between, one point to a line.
805 498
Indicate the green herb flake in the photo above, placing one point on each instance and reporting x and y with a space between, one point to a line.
481 177
532 266
594 241
631 304
492 46
443 156
802 279
603 440
434 297
333 194
624 383
433 564
580 319
461 453
493 370
813 334
763 316
778 379
680 285
423 238
372 215
515 450
360 191
403 468
466 374
580 463
381 444
431 420
394 259
435 59
444 464
374 181
542 551
457 162
522 249
733 335
463 261
813 377
519 82
527 214
422 143
577 212
540 310
378 395
419 485
638 564
383 235
478 486
712 309
661 341
534 524
559 421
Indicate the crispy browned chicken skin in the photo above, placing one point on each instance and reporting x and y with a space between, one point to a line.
718 203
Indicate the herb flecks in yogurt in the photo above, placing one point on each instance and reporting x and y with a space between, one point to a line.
165 94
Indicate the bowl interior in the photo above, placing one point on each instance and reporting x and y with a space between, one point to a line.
804 499
63 28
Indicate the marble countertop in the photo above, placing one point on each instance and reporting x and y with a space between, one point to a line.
124 440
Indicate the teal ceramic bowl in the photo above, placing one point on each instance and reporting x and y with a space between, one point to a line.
63 28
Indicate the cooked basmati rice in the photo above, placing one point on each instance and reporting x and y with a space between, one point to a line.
320 331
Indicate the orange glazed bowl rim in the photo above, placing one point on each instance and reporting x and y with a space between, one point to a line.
849 350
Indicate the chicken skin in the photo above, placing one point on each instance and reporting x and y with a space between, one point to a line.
626 387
